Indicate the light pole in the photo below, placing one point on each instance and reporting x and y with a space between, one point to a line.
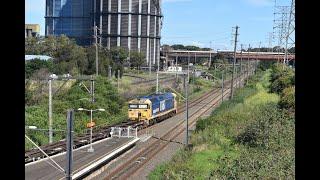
82 109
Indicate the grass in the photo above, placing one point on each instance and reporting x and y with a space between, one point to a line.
216 153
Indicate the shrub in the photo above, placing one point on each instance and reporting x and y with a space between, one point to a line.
281 78
287 98
264 65
266 149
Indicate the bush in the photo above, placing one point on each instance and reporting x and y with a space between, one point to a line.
266 149
264 65
35 65
282 77
287 98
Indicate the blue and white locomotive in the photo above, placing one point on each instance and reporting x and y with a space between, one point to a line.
153 108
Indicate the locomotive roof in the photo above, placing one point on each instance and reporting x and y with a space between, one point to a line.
153 98
157 96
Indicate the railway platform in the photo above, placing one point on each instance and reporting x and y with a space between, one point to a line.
83 161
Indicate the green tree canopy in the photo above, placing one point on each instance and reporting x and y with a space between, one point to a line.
137 59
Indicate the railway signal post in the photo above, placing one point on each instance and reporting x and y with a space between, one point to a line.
90 125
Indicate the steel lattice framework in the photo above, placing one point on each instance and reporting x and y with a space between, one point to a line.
284 27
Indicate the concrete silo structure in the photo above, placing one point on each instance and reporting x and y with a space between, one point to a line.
132 24
72 18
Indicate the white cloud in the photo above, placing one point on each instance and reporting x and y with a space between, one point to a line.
261 2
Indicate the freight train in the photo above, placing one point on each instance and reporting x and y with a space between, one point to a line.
153 108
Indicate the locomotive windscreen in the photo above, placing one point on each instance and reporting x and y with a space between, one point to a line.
138 106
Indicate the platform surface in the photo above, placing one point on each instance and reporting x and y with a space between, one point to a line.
81 159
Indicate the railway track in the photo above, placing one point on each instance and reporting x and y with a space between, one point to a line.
98 134
150 81
135 163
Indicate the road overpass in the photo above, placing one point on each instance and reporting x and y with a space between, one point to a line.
171 56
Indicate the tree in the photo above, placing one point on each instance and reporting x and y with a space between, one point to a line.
118 56
292 50
104 60
192 48
206 49
178 47
137 59
68 56
34 65
32 46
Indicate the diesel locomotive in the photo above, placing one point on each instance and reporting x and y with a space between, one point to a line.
152 108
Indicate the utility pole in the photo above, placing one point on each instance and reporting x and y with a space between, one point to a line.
69 135
96 38
118 79
248 64
187 105
194 70
222 82
92 89
241 59
234 60
236 77
176 68
157 88
149 57
50 110
240 65
270 41
210 55
256 61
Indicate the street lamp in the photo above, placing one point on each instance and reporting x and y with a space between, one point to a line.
82 109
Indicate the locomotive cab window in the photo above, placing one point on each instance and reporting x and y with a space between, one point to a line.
133 106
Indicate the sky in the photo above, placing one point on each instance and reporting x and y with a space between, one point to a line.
199 22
